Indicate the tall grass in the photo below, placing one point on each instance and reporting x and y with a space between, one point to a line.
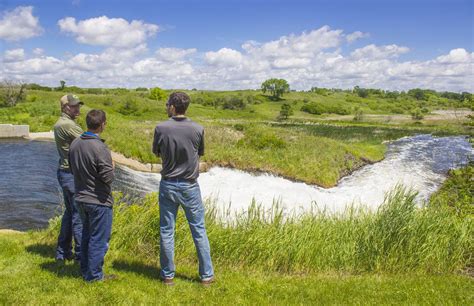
398 237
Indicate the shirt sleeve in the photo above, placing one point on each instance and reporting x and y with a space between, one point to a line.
201 145
156 139
105 168
75 131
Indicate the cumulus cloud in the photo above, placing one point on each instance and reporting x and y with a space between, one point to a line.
19 24
224 57
38 51
355 36
13 55
313 58
173 54
110 32
378 52
456 56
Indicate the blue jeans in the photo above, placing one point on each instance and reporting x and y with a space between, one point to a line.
188 195
71 225
97 220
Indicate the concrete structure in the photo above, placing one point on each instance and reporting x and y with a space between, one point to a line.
14 131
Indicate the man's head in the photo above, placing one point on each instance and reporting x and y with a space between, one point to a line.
177 104
71 105
96 121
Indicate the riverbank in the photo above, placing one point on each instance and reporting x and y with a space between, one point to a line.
117 157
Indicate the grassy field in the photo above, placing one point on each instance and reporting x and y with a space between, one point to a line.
29 275
242 130
401 254
398 255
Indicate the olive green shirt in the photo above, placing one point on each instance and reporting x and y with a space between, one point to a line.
65 131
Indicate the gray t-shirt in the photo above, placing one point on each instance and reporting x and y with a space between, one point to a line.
179 142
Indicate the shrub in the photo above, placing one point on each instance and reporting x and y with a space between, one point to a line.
416 114
233 103
129 107
261 139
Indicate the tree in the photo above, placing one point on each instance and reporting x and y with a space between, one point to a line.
12 92
285 112
417 93
63 84
157 94
277 87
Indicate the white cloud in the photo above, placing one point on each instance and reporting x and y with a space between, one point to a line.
312 58
19 24
110 32
34 66
38 51
224 57
355 36
456 56
14 55
173 54
371 52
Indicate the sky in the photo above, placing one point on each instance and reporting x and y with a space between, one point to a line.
228 44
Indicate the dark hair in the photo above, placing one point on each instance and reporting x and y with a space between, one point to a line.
180 101
95 118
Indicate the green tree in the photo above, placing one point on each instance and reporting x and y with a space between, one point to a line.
63 84
157 94
276 87
285 112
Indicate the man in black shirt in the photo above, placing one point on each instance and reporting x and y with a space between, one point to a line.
179 142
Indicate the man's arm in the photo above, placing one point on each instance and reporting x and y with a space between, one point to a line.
155 147
201 145
75 131
105 166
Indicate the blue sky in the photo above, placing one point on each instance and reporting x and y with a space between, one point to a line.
215 29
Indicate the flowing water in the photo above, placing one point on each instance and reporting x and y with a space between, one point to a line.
30 195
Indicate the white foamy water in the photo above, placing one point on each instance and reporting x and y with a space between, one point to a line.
419 162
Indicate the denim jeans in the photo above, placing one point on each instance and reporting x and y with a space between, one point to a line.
97 221
71 225
187 195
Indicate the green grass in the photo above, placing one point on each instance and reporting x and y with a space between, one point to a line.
249 139
399 255
29 275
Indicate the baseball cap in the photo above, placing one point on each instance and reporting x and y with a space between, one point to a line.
71 100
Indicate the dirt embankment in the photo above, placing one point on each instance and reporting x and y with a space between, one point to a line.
117 157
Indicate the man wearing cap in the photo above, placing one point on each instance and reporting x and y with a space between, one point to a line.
65 131
179 142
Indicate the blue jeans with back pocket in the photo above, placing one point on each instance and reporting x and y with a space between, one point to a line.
173 194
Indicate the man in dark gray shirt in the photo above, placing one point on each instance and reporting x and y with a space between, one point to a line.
93 170
179 142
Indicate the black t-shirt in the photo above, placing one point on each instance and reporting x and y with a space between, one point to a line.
179 142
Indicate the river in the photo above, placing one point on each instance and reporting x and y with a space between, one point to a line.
30 194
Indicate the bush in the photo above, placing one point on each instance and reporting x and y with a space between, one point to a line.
233 103
129 107
261 140
416 114
318 109
158 94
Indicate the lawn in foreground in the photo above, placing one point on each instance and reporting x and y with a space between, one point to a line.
29 275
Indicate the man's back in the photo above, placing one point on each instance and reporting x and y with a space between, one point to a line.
179 141
91 164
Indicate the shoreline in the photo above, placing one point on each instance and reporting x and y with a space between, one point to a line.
119 158
136 165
